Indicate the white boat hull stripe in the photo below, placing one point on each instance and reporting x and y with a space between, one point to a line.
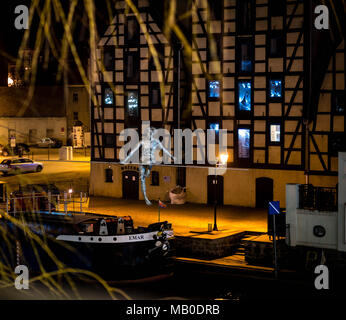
126 238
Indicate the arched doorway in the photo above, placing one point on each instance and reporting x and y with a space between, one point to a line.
130 185
264 192
215 189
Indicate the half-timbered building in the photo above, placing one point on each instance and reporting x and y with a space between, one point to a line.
259 69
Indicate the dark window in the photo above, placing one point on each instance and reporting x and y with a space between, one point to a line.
109 175
277 7
338 102
108 58
244 96
160 51
243 143
337 143
132 66
276 44
133 30
214 90
109 140
245 16
244 55
215 9
75 97
275 130
214 44
155 181
108 96
275 89
75 115
155 96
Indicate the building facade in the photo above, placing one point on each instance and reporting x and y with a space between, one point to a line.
250 71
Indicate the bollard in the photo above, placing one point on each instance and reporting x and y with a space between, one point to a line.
49 201
58 202
81 202
33 201
65 202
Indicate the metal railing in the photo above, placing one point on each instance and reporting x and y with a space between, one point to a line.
318 198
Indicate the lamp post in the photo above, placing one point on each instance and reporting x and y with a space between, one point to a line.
221 161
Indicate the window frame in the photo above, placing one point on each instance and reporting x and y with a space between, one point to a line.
136 66
279 6
107 176
276 34
208 90
239 42
245 161
155 178
333 102
244 114
111 51
241 30
274 77
136 39
106 88
274 123
130 120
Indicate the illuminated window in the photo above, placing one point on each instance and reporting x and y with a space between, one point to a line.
243 143
132 104
215 126
109 98
275 89
275 132
214 89
244 96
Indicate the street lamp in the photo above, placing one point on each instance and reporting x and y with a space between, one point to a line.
220 162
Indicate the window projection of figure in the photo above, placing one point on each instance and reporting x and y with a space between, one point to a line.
149 146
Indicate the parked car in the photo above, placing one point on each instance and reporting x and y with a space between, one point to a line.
18 150
49 142
21 165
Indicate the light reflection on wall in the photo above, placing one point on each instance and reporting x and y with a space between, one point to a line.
108 96
275 88
244 143
244 89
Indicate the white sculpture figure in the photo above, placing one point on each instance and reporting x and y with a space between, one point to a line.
149 146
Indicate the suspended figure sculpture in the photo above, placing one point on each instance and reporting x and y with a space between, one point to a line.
149 146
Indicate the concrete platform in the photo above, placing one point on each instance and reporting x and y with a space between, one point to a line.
208 245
